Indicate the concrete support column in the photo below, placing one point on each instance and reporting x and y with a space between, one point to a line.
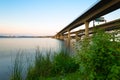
86 29
62 37
68 35
76 36
68 40
58 36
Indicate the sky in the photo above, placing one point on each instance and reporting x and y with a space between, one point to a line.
41 17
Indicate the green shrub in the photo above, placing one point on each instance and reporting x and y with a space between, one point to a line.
99 58
63 63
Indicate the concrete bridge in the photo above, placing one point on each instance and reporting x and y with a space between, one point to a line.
101 8
112 25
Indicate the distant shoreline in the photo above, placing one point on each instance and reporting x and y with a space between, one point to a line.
26 36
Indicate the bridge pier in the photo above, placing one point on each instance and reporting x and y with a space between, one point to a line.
86 29
58 36
55 37
76 37
61 37
69 38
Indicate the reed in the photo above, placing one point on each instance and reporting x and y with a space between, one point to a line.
47 64
17 67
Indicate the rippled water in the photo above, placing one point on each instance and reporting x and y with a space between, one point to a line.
9 47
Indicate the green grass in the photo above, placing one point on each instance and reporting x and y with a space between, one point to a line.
69 76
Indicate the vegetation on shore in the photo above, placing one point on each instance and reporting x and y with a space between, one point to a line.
96 58
99 57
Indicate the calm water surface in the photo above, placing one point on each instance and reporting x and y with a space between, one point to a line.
9 47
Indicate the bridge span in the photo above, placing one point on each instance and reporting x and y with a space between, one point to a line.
112 25
103 7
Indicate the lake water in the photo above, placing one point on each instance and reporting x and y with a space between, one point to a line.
9 47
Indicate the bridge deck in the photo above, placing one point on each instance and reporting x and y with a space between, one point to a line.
101 8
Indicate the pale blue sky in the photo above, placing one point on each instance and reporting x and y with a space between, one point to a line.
40 17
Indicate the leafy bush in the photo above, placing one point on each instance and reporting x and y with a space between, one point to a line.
99 58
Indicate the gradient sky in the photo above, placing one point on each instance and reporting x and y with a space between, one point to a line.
41 17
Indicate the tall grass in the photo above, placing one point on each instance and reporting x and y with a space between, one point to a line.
46 65
17 67
42 66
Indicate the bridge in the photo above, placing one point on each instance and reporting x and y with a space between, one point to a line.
112 25
103 7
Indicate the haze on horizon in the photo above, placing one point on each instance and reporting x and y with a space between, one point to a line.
41 17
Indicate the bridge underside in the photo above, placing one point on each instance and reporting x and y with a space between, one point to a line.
101 8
